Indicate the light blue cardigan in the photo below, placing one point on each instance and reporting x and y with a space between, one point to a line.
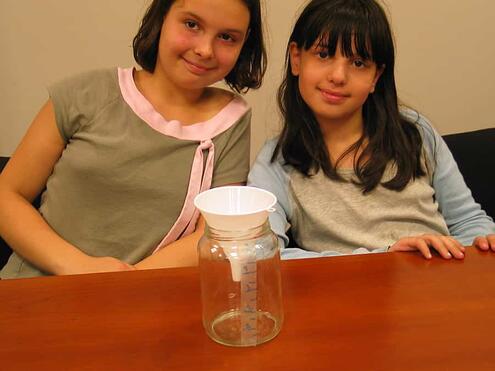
463 216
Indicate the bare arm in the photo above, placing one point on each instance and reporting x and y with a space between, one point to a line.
181 253
22 227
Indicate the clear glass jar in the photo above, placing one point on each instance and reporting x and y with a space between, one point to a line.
241 285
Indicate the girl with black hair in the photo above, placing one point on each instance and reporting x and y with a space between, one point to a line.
123 152
352 171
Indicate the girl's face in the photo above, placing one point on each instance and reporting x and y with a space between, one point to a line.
201 40
334 87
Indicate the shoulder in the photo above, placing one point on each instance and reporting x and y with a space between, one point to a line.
220 98
428 133
91 88
78 99
89 80
266 152
264 160
229 110
220 95
273 176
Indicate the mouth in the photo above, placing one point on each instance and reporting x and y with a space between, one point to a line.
332 96
196 68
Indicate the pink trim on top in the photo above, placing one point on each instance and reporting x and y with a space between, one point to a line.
201 172
186 223
173 128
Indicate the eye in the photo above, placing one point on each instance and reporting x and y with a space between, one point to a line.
192 25
323 54
359 63
226 37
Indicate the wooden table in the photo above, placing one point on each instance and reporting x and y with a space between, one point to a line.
369 312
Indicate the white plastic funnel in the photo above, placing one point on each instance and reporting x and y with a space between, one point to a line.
235 208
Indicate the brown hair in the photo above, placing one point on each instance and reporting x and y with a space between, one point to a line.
250 67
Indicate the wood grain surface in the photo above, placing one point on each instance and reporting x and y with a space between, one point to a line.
393 311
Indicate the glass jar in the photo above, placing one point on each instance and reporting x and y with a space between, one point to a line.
241 285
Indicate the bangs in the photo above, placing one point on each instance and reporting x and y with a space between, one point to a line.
353 43
351 26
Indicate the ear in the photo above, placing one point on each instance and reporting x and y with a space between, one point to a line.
378 73
295 58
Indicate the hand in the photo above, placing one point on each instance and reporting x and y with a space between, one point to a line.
485 243
181 253
446 246
93 264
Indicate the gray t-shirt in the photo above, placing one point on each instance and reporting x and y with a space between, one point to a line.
120 184
327 217
334 214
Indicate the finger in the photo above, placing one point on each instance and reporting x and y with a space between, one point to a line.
404 245
422 246
481 243
122 266
439 245
454 247
458 244
491 241
130 267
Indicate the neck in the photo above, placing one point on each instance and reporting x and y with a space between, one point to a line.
159 90
347 129
340 134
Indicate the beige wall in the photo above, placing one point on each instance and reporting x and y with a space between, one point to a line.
445 57
42 41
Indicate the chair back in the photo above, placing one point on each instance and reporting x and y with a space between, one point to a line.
474 153
5 250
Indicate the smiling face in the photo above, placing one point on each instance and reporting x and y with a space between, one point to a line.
200 41
335 87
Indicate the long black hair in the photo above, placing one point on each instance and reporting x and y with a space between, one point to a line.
361 27
250 67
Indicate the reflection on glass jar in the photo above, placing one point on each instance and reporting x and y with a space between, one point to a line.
241 285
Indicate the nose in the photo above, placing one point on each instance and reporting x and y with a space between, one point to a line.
204 47
337 73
